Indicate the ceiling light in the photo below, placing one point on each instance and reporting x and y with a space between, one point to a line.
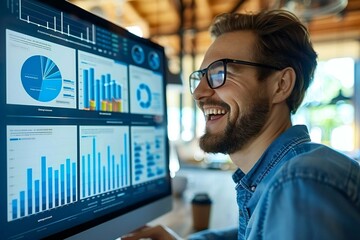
135 30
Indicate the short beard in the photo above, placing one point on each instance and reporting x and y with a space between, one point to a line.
239 132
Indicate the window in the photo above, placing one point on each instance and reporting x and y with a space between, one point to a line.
328 107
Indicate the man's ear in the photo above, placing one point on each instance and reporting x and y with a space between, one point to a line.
284 85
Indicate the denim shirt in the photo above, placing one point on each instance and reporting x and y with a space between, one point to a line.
296 190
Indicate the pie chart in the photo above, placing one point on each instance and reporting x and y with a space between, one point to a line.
41 78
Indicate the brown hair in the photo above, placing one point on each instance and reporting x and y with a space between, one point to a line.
282 41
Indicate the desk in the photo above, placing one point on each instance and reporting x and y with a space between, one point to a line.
220 187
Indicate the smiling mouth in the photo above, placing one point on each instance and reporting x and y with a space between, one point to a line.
214 113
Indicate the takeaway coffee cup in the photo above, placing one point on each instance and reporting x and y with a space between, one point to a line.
201 209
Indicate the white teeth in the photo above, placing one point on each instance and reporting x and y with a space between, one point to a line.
214 111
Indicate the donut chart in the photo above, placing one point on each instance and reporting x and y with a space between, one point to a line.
143 95
41 78
138 54
154 60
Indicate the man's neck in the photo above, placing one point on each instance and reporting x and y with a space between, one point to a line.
246 158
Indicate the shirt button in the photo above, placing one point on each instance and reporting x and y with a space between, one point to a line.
252 188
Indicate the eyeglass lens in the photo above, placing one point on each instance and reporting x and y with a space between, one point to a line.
215 76
195 79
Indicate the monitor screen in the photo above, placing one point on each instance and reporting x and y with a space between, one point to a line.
84 146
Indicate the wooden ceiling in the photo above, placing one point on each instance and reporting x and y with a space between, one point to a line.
183 24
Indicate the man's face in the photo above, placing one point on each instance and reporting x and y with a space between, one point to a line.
237 111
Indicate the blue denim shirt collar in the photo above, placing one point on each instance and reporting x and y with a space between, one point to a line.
250 186
273 155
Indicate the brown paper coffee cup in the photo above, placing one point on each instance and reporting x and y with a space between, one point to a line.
201 209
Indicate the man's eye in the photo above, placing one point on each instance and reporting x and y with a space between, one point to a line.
218 75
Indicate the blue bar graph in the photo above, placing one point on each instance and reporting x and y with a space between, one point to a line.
104 159
44 177
102 83
103 94
49 190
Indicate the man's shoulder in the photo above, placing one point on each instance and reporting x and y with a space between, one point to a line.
321 159
317 185
320 165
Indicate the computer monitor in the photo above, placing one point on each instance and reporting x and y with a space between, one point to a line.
84 146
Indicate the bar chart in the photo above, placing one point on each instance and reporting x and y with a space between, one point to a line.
148 150
40 178
56 21
104 164
103 84
102 94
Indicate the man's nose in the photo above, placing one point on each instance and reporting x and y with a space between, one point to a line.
202 90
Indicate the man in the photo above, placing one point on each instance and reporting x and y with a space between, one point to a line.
253 77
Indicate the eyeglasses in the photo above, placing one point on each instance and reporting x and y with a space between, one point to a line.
215 73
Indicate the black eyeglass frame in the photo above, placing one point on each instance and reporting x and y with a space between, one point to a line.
225 61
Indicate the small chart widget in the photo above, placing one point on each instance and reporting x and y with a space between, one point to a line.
55 21
148 149
137 54
145 91
40 178
154 60
102 84
104 160
144 96
39 73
